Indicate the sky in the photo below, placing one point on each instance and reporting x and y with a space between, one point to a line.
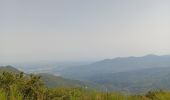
82 30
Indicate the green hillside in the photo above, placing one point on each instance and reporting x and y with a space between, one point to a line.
31 87
8 69
54 81
58 81
137 81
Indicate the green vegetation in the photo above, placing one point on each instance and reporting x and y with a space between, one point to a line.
31 87
53 81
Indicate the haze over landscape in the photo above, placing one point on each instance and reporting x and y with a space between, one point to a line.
77 30
84 50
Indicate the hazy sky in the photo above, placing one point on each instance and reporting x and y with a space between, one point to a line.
76 30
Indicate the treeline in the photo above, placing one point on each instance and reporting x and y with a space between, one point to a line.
30 87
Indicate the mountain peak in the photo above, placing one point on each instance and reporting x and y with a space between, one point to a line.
151 55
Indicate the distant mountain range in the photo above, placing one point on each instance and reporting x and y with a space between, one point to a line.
130 74
127 74
121 64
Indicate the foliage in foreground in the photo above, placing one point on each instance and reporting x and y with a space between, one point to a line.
24 87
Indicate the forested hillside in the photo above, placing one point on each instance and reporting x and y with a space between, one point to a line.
137 81
52 80
31 87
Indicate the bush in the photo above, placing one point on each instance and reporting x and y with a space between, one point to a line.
30 87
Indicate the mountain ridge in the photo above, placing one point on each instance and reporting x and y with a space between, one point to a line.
117 65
